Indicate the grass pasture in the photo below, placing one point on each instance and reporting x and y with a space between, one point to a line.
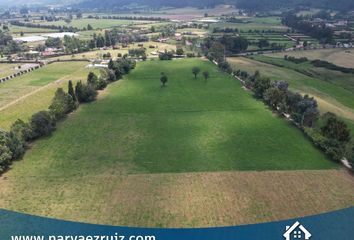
143 155
95 23
98 54
256 23
333 90
340 57
7 69
32 92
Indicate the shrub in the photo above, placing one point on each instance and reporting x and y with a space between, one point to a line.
42 124
21 129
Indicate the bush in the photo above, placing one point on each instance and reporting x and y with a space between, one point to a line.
42 124
22 130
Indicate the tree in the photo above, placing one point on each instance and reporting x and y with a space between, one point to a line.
263 43
71 91
92 79
217 52
42 124
85 92
62 104
163 79
195 71
5 152
260 85
21 129
89 27
336 129
179 52
206 75
53 42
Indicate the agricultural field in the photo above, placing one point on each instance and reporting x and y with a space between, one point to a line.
340 57
95 23
98 54
333 90
260 24
22 96
16 30
152 156
7 69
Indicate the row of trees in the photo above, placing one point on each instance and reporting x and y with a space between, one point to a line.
328 132
13 143
37 25
195 70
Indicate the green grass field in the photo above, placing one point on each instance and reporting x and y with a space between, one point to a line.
95 23
341 57
22 96
332 89
197 126
142 155
261 23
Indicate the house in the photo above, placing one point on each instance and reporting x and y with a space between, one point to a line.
296 232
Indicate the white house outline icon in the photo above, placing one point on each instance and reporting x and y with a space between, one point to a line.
289 230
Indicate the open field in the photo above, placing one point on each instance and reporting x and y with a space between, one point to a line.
178 200
7 69
114 52
143 155
32 92
16 30
333 90
265 23
340 57
95 23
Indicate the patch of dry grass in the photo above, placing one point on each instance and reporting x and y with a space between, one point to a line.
187 199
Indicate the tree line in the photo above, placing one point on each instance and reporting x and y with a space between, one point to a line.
13 143
328 132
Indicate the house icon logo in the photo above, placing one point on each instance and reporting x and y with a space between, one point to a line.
296 232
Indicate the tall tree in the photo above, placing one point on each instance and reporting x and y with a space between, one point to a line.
71 90
195 71
163 79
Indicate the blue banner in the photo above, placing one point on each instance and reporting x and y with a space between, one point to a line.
337 225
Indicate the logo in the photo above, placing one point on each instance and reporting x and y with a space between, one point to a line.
296 232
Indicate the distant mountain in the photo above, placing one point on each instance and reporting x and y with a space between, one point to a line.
245 4
10 3
342 5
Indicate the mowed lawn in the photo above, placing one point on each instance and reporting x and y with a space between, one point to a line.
22 96
190 125
142 155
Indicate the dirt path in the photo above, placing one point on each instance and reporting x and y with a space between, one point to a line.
24 96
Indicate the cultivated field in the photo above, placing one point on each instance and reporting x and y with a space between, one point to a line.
98 54
7 69
266 23
95 23
333 90
185 155
340 57
22 96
